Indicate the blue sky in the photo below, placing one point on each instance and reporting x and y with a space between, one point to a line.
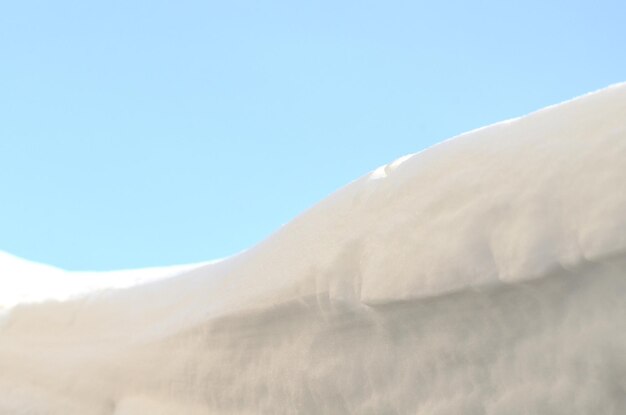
140 133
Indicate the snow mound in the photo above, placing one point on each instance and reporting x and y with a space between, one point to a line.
485 275
23 282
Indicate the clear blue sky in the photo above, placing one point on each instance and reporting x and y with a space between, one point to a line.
139 133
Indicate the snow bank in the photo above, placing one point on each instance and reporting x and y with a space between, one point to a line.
29 282
485 275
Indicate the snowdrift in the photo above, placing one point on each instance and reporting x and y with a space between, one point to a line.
485 275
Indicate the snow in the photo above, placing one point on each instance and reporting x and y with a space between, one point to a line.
485 275
28 282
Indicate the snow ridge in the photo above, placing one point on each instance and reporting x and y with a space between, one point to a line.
484 275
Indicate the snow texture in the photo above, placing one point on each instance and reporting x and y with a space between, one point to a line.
485 275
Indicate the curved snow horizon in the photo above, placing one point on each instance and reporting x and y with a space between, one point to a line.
483 275
129 277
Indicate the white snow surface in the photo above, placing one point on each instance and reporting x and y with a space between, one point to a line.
29 282
485 275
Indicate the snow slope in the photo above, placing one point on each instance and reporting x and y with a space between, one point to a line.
485 275
28 282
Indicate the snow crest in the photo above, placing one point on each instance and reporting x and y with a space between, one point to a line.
485 275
